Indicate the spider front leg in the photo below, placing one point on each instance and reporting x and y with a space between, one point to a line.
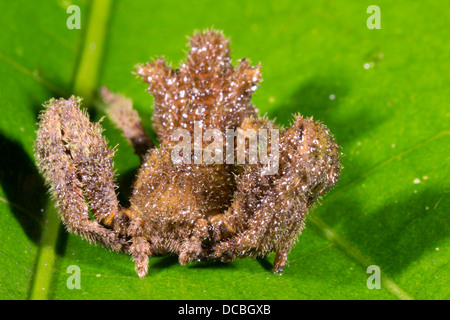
74 158
267 231
191 249
268 211
120 111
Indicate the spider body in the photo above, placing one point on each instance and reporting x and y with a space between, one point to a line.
196 209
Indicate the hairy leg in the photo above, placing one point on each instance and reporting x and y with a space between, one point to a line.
140 248
191 249
120 111
76 163
268 212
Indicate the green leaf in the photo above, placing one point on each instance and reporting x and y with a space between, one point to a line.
382 92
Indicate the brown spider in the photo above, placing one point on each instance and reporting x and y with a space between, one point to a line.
196 209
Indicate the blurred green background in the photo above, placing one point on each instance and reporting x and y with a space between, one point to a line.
384 93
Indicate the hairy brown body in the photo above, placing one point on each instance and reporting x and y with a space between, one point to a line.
196 210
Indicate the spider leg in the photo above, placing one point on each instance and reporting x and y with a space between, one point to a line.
267 232
281 259
206 88
77 164
140 248
192 248
120 111
268 211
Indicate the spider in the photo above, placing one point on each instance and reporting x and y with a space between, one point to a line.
197 210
